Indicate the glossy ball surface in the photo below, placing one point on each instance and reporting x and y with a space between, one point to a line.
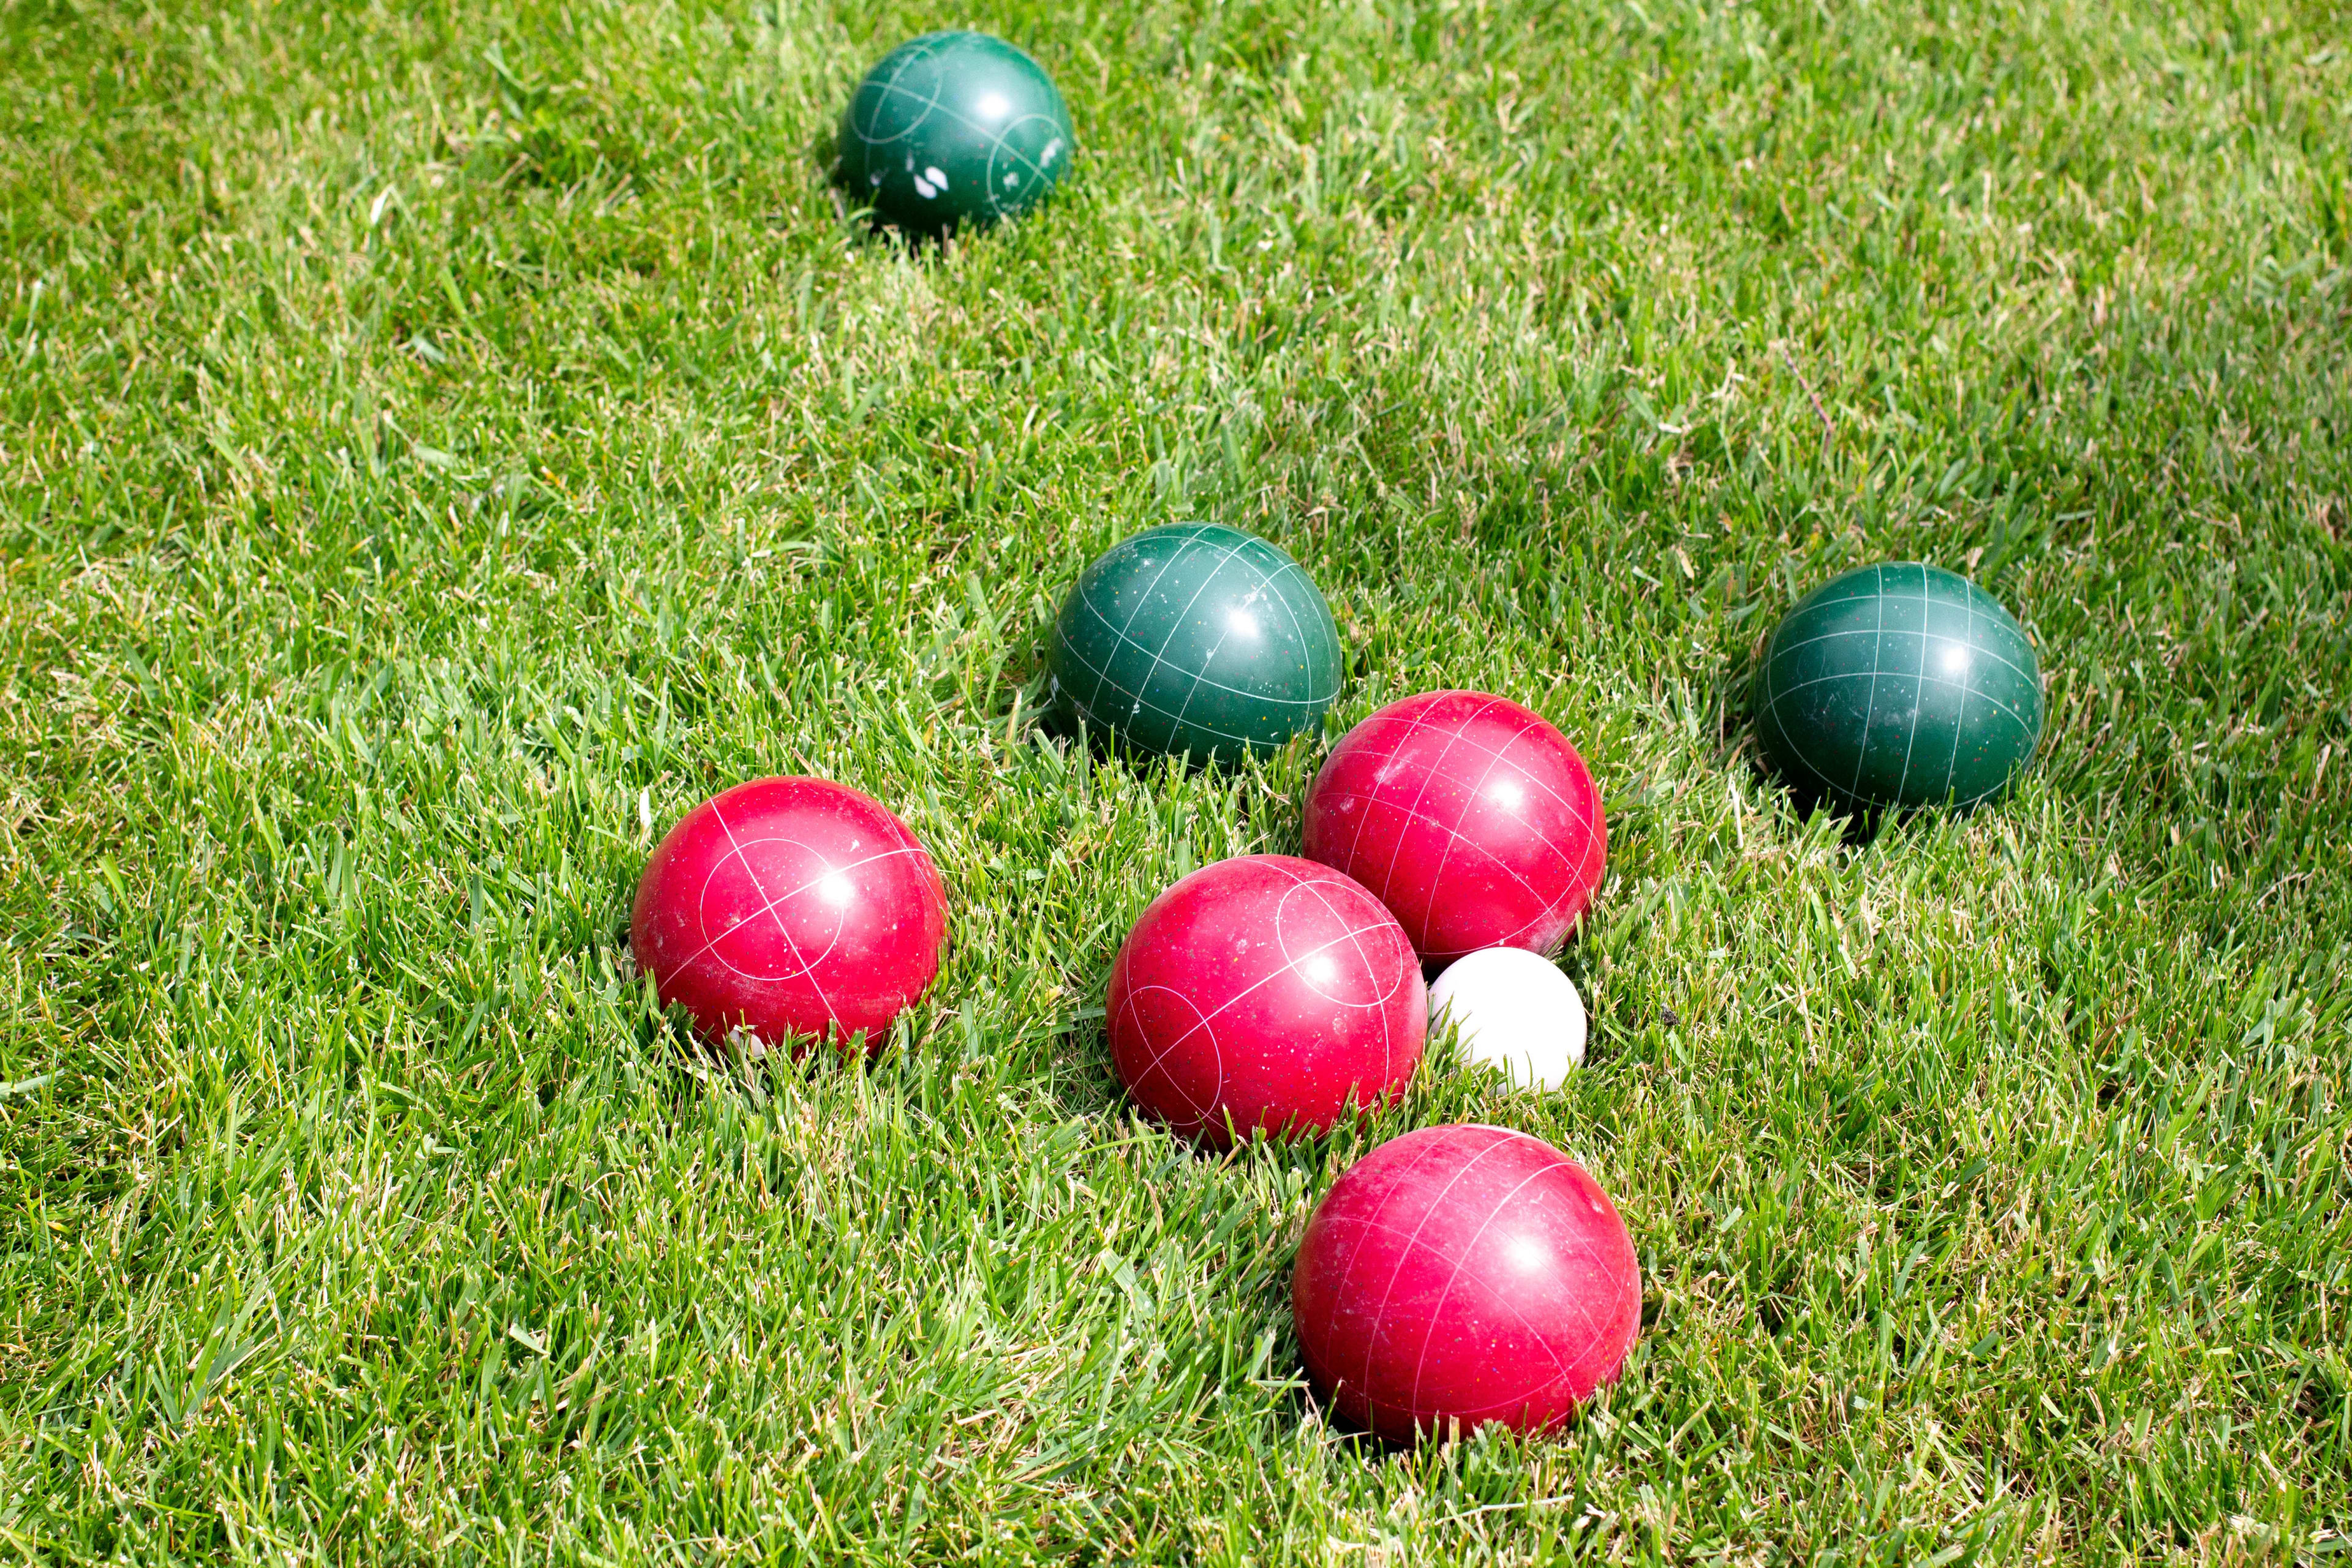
1465 1274
953 128
1469 815
793 910
1515 1010
1196 639
1899 685
1263 993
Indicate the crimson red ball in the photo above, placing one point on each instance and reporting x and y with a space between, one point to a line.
1264 993
794 909
1470 816
1465 1275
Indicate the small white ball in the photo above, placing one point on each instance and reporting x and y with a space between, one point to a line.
1516 1009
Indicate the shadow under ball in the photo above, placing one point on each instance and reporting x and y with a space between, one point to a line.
1469 815
792 909
1899 685
1465 1274
1263 993
953 129
1195 639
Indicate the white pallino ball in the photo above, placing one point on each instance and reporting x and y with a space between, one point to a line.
1516 1009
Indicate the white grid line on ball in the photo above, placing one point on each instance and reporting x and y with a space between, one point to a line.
1103 682
1503 1302
933 104
1266 581
1204 1020
1541 722
1260 983
1316 884
1501 864
1326 632
1036 175
1428 1149
1494 761
1924 679
1911 743
1131 1008
1877 661
1961 718
1125 628
1139 698
771 907
784 931
711 945
1968 595
1415 723
1387 1034
1421 793
1379 1313
1201 670
1789 747
889 87
1457 735
1781 651
1412 1397
1123 636
1586 1255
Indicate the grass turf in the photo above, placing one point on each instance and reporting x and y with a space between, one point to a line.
443 441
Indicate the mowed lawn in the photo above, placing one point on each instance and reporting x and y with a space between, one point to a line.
443 441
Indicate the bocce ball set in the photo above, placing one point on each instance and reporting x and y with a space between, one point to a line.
1455 1275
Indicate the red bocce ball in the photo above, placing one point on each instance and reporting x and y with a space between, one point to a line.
1469 815
792 909
1465 1274
1263 993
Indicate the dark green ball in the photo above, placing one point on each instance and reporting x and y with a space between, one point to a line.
953 128
1899 685
1196 639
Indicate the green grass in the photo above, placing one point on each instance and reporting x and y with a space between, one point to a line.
441 442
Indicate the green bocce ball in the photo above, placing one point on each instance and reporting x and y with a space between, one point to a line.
1196 639
953 129
1899 685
